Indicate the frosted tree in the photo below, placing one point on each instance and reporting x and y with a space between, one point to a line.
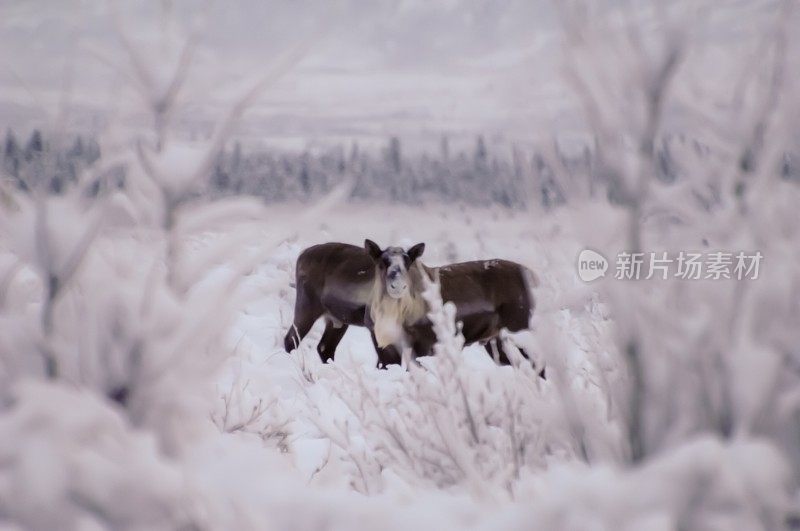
112 322
698 358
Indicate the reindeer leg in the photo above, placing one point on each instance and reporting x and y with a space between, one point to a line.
495 349
540 371
297 332
307 310
386 355
380 363
491 349
390 355
330 340
504 359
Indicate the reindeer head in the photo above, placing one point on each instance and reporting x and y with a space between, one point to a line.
393 265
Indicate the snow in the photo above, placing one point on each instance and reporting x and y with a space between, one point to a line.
282 441
143 382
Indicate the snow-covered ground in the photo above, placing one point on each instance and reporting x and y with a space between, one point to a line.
143 383
451 234
266 440
341 433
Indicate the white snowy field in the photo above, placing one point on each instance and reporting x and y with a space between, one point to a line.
451 234
237 434
143 383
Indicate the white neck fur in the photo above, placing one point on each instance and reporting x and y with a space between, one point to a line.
390 314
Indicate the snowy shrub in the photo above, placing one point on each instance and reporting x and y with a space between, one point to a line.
700 355
703 484
121 303
449 422
70 459
143 384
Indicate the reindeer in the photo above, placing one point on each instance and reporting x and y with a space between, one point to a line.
489 295
364 286
333 280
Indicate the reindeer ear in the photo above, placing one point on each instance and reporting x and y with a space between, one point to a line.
416 251
372 249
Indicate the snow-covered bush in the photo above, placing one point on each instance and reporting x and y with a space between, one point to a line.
143 385
117 302
452 421
70 459
446 424
701 355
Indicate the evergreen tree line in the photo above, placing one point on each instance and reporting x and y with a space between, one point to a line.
476 177
44 164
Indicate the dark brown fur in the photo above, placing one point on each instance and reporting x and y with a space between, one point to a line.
332 280
489 295
337 281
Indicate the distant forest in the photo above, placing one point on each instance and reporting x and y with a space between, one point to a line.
476 177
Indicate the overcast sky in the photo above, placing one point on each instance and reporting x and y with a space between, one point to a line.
416 68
